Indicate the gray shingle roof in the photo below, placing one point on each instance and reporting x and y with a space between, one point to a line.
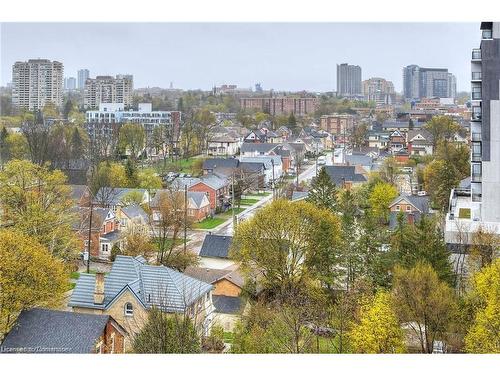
215 246
227 305
197 197
135 211
220 163
116 195
51 331
249 166
153 285
421 203
341 173
258 147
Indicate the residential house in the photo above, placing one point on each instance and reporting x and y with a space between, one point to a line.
80 195
214 252
104 232
273 166
402 156
215 186
373 152
411 206
220 166
345 175
258 149
378 140
255 136
133 287
198 204
284 133
420 142
224 142
119 197
397 141
133 219
228 284
50 331
364 161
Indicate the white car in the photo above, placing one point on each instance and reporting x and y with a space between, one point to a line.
422 193
321 160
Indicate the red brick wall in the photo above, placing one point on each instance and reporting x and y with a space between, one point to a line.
201 187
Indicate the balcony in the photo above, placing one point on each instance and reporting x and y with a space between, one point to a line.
476 54
476 177
476 94
487 34
476 156
476 76
476 137
477 113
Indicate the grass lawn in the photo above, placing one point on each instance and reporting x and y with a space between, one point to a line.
181 165
71 286
74 275
261 194
212 222
248 201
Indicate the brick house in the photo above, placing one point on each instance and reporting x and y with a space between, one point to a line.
397 141
104 231
412 206
216 188
133 287
50 331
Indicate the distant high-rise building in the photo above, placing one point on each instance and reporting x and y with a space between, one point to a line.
69 83
106 89
475 204
379 91
421 82
348 80
280 106
36 83
83 74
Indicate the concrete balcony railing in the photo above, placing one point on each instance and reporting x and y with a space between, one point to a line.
476 54
477 76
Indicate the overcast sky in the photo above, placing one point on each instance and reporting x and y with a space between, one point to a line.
282 56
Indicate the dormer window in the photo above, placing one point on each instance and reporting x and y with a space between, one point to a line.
129 309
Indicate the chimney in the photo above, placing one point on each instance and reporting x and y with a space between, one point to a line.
99 288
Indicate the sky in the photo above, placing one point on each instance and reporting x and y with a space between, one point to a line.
281 56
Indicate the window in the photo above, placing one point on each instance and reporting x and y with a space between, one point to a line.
397 208
105 247
129 309
408 208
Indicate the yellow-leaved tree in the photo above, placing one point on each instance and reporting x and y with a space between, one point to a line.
29 277
378 330
484 334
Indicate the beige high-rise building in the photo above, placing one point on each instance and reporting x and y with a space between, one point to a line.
37 82
379 91
106 89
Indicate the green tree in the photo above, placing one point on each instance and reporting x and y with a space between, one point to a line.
149 179
131 173
442 128
323 193
483 336
29 277
167 333
282 240
423 301
379 330
37 202
439 178
131 138
380 198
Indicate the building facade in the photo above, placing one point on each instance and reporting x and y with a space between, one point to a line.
36 83
419 82
69 83
281 106
349 80
477 205
337 124
83 74
379 91
106 89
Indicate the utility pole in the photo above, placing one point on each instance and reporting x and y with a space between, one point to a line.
274 192
232 202
90 235
185 218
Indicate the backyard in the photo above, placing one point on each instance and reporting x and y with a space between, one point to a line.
216 220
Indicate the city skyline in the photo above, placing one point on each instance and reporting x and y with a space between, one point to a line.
243 54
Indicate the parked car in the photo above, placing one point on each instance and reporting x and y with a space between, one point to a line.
321 160
422 193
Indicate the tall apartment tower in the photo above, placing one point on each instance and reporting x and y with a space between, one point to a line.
106 89
478 205
421 83
379 91
83 74
36 83
485 125
348 80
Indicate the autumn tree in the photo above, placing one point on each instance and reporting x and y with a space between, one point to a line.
323 193
442 128
423 301
389 170
281 243
167 333
483 336
29 277
380 198
131 139
379 330
37 202
439 178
